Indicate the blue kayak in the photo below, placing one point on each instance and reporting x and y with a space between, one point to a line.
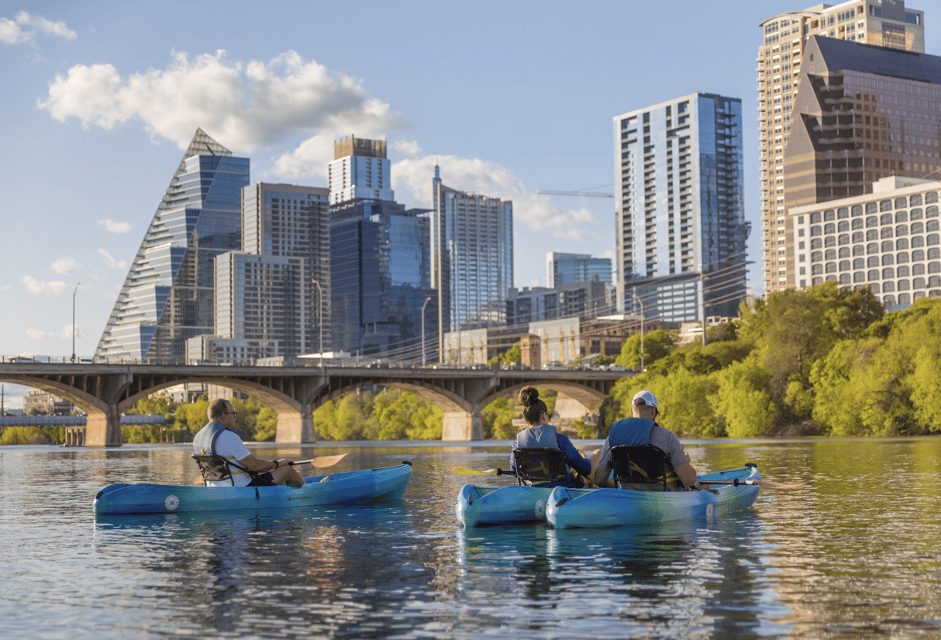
569 508
388 483
501 505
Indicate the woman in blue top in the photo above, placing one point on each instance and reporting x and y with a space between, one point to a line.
541 434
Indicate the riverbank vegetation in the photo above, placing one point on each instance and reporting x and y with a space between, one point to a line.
822 361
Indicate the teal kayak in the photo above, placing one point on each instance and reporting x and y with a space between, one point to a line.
500 505
387 483
569 508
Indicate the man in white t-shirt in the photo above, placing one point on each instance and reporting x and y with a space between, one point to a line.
218 438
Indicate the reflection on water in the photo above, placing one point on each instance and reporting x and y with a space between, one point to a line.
854 555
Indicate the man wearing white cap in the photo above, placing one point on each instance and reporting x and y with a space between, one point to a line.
640 430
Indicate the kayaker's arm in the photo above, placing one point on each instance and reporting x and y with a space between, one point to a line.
686 473
281 471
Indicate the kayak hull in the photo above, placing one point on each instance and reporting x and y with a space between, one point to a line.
388 483
514 504
571 508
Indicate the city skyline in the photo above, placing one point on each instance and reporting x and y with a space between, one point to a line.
107 96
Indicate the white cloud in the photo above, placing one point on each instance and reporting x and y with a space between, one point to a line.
111 261
65 266
25 27
242 106
482 177
65 332
40 286
115 227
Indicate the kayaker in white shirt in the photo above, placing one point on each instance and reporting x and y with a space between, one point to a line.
644 405
219 438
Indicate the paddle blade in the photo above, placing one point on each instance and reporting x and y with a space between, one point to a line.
321 461
461 471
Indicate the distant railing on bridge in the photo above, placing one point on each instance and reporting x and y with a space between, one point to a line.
70 421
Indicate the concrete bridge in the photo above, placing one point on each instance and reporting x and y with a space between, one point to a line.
105 391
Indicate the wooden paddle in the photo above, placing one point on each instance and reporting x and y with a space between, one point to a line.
319 461
461 471
764 484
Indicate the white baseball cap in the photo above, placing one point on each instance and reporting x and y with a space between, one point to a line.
648 398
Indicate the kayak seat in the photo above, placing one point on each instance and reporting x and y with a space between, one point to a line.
213 468
643 467
537 466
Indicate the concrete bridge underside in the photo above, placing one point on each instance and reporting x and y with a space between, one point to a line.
105 392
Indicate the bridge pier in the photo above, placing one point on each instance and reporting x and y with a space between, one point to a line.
295 427
463 425
103 429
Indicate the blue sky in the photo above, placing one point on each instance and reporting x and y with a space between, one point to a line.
101 98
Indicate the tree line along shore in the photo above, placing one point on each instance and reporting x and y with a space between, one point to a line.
823 361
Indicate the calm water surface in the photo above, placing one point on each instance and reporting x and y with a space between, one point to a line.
857 554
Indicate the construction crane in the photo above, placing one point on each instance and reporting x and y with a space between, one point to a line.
586 194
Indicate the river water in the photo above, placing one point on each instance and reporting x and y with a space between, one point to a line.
855 554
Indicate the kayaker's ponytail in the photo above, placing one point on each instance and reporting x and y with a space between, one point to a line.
531 406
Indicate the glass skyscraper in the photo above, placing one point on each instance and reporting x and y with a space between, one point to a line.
681 230
472 258
379 259
571 268
168 294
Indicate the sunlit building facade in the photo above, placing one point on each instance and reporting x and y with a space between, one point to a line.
379 260
168 294
681 230
885 23
471 258
888 240
569 268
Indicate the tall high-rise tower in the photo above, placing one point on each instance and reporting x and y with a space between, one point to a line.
681 228
168 294
885 24
275 293
379 261
471 258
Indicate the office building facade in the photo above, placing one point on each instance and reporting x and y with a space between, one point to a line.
863 113
471 258
276 291
583 300
380 264
168 294
883 24
681 230
888 240
569 268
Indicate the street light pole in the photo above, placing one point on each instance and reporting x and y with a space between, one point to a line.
73 320
641 303
320 318
427 300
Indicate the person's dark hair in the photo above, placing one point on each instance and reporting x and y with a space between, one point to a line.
531 406
218 408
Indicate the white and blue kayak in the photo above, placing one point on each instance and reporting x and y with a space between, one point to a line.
570 508
501 505
387 483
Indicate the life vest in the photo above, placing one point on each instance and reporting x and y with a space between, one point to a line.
213 466
638 432
541 437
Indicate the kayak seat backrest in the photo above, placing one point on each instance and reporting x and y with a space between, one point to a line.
536 465
641 465
213 468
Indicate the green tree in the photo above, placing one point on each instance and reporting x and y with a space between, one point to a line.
793 329
657 344
743 399
154 404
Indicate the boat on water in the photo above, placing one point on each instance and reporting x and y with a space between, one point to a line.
570 508
386 483
513 504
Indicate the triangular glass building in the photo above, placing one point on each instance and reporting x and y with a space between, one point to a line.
167 296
